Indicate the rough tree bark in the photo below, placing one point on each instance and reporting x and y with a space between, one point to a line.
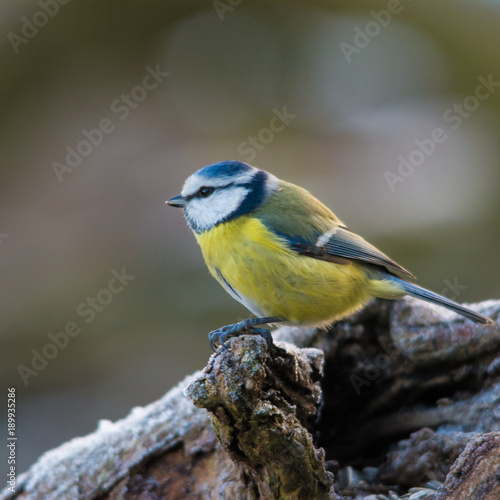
403 394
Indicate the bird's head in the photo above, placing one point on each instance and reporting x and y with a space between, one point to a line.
222 192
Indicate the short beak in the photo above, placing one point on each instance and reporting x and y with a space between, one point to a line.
176 201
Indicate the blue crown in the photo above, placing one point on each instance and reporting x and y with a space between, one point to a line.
224 169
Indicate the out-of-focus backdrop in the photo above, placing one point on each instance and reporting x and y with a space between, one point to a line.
388 111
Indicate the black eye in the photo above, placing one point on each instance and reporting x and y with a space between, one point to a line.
205 191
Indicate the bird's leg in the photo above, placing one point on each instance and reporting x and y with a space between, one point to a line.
246 326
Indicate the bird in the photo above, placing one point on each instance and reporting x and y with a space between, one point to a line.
284 255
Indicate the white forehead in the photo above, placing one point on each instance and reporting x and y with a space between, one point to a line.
197 180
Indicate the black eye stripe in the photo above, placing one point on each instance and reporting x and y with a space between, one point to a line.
211 190
203 192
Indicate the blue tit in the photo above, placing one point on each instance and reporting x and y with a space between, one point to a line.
284 255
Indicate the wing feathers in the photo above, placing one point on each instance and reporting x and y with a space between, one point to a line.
345 243
342 246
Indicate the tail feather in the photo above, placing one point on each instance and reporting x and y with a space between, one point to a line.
427 295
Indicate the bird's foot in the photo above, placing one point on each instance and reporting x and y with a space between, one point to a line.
221 335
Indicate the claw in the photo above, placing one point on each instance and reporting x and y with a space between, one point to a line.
214 337
219 336
265 334
222 337
246 326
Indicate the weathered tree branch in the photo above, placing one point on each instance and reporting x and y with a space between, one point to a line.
407 390
261 403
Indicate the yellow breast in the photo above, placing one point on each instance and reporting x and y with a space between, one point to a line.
272 280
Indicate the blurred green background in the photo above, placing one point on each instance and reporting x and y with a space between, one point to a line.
360 101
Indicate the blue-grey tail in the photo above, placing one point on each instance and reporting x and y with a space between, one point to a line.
427 295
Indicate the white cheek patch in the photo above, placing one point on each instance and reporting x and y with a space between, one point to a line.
206 212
